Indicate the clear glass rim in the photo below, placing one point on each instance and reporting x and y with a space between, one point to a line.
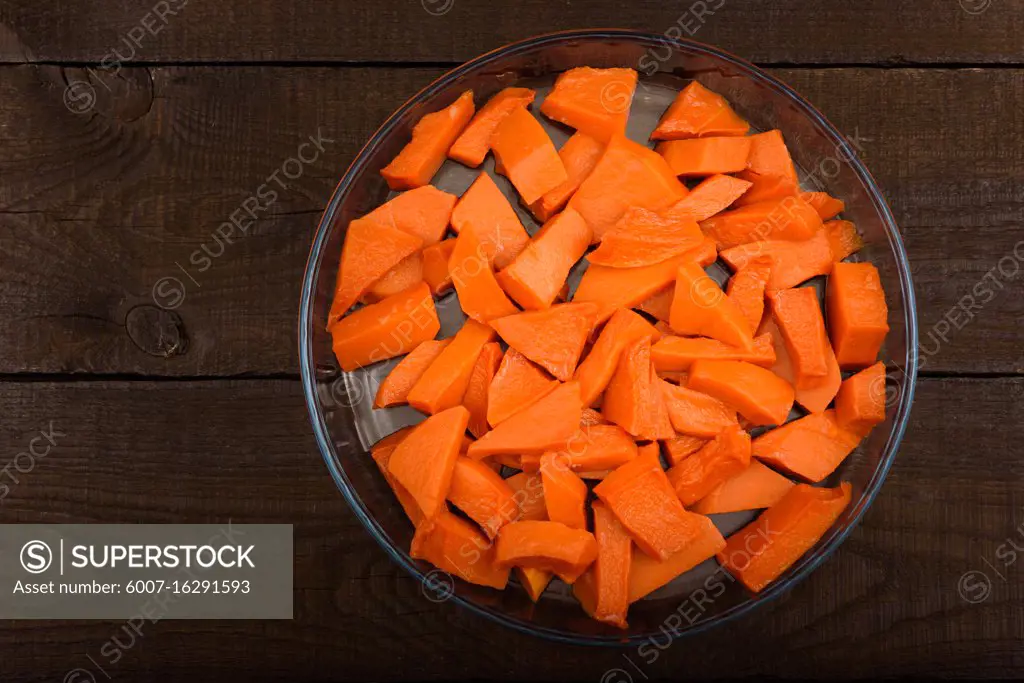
807 564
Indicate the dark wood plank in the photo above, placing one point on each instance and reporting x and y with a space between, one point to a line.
790 31
98 209
107 214
933 144
888 603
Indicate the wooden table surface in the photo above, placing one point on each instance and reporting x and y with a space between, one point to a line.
113 176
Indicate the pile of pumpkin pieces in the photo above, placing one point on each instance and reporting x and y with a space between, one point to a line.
622 414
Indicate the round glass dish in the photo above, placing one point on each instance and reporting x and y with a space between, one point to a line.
340 403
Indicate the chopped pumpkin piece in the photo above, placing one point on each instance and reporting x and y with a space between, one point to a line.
526 155
792 263
443 384
757 394
677 354
811 447
596 370
536 276
694 413
770 168
647 574
472 145
476 398
627 175
599 447
423 212
722 458
595 102
518 383
381 453
706 156
432 136
642 238
423 462
860 403
857 314
604 590
552 338
615 288
813 393
712 196
634 399
371 249
565 494
407 273
579 155
700 307
484 496
747 290
435 266
696 112
825 204
760 552
547 425
480 295
756 487
798 316
386 329
789 218
843 239
394 390
454 545
548 545
534 580
644 502
498 228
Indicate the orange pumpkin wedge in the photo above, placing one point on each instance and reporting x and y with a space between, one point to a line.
547 545
474 142
640 495
370 250
432 136
526 156
595 102
627 175
423 212
547 425
696 112
394 390
498 228
552 338
536 276
425 459
760 552
386 329
579 155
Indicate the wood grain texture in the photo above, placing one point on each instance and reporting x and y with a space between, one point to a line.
104 215
99 209
888 603
780 31
114 182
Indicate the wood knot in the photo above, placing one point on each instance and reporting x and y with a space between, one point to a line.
157 331
121 92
